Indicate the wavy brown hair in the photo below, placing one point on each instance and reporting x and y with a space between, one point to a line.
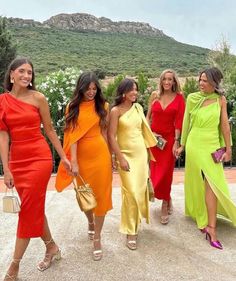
78 96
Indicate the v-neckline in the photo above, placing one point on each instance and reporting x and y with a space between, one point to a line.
163 109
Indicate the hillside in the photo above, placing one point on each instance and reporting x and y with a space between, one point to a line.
52 45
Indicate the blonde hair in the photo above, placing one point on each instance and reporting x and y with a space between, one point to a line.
176 86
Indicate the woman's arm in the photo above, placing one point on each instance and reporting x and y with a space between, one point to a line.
4 152
74 161
112 130
225 129
49 130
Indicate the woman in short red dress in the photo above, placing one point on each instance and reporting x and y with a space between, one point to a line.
165 115
29 166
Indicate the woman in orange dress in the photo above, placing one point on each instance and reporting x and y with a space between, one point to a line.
22 110
85 144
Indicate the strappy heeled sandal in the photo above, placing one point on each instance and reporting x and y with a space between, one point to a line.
97 254
131 244
164 219
9 277
49 258
91 233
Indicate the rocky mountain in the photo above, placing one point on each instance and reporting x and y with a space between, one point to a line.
86 22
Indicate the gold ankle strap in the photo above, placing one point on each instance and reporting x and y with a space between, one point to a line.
48 242
16 261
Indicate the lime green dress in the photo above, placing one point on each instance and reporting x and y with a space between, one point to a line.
201 136
134 136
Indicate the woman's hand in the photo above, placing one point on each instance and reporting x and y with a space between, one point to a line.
175 147
226 157
124 165
74 168
8 179
66 163
179 151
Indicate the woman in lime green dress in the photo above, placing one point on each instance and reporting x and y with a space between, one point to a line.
129 136
206 129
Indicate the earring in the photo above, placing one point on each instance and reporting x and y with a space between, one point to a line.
30 84
12 80
123 97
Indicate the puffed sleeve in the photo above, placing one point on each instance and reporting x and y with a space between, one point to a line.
180 114
3 126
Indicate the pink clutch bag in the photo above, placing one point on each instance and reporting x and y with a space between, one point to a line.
216 155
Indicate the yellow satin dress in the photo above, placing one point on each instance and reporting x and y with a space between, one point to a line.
134 137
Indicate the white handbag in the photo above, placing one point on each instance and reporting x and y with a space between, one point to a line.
10 203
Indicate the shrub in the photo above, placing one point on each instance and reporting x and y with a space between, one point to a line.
58 88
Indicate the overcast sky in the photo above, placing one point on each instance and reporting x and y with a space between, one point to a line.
196 22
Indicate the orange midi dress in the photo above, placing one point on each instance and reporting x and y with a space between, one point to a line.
93 155
30 161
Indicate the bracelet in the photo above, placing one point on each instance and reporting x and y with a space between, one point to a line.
177 139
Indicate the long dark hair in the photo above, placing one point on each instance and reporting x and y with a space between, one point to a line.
125 86
214 77
81 87
13 66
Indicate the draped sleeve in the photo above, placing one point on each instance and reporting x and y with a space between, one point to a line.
86 120
186 123
3 125
180 113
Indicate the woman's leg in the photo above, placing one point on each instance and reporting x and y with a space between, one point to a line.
20 248
211 203
97 253
91 224
52 250
164 212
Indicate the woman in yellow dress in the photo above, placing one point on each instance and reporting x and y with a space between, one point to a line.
85 144
129 137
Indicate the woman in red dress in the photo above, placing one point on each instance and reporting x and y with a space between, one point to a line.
165 115
29 164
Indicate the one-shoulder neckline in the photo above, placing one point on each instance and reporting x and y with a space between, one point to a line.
127 110
18 100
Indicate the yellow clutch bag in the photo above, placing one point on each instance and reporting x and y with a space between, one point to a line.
85 196
10 203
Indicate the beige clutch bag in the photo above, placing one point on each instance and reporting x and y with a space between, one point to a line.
10 203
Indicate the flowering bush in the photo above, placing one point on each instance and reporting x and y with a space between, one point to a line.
58 88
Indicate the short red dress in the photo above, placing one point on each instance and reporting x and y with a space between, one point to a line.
30 161
165 122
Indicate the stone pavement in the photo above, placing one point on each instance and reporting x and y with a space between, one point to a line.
177 251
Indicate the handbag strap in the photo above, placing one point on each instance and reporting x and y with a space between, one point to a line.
6 191
75 182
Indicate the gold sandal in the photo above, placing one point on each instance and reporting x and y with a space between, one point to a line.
9 277
49 258
97 254
131 244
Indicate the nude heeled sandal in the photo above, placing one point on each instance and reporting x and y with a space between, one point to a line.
9 277
131 244
49 258
97 254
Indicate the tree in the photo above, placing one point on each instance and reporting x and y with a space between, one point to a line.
190 86
7 49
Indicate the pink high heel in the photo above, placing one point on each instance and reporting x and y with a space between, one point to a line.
215 244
